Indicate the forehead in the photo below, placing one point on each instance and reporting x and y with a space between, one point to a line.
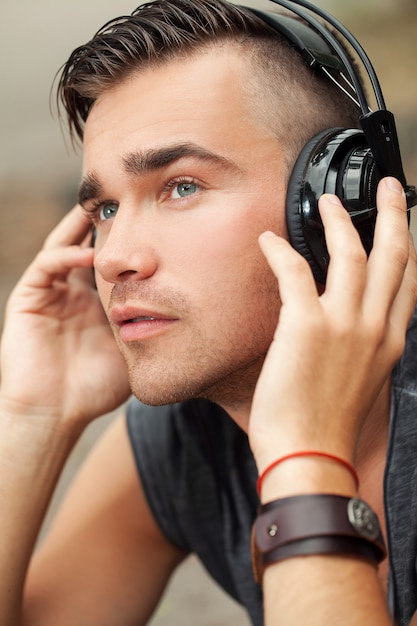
199 100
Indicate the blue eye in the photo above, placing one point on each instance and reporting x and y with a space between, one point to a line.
182 190
107 211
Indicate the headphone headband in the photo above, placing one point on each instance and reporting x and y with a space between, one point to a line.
339 49
314 49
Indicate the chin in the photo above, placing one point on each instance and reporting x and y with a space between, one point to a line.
230 390
161 398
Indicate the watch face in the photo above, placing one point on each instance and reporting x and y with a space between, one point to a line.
363 519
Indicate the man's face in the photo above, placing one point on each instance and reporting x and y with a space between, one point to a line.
183 179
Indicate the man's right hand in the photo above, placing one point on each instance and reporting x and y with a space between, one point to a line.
58 355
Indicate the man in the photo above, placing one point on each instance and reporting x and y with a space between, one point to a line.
192 114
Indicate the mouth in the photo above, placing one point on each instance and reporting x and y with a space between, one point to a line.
120 316
136 324
141 318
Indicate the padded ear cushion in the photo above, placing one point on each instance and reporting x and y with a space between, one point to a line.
294 215
338 161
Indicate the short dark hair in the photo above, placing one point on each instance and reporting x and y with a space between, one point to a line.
299 102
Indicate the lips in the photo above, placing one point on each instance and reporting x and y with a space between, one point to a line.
133 314
136 324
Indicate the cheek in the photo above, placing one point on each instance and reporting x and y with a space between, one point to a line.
229 271
104 290
219 250
231 223
232 242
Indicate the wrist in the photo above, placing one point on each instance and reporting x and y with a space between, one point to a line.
315 524
302 475
271 444
36 418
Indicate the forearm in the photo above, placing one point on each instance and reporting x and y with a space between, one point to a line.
32 453
336 590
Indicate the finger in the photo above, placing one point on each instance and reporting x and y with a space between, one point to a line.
405 302
74 228
295 280
391 250
51 265
346 277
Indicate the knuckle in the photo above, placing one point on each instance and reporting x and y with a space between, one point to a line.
342 326
400 253
376 331
357 256
296 264
395 347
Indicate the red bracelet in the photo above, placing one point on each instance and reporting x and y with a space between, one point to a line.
295 455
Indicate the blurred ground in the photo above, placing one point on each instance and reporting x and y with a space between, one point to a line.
39 174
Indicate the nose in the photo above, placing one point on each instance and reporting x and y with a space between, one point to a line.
125 248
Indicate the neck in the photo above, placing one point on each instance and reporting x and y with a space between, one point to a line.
240 415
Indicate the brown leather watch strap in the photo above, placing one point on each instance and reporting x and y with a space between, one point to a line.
315 524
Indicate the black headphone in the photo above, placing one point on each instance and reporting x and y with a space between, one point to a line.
347 162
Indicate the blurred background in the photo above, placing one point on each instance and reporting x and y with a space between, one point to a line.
39 170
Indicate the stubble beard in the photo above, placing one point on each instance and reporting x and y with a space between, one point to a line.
226 375
222 368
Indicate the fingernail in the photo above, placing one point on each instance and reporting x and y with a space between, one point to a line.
268 233
331 198
393 184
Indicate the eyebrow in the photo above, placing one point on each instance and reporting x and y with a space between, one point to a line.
90 188
141 162
138 163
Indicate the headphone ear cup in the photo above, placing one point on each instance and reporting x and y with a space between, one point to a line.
336 161
294 216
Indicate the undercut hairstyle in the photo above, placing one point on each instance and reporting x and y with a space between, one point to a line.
290 99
